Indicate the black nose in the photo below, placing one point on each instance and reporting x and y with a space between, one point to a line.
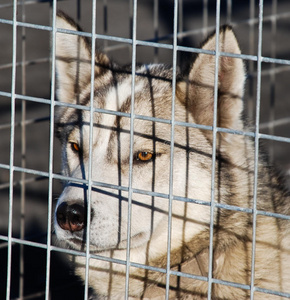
71 217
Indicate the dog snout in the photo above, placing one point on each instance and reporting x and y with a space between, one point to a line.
71 217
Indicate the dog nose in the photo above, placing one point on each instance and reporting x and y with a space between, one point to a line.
71 217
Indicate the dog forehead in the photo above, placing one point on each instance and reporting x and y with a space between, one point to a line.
152 97
150 83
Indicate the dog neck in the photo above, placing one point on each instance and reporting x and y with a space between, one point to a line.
197 265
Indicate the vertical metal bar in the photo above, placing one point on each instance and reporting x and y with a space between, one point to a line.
132 114
156 27
90 181
259 67
78 10
214 132
50 162
180 21
131 8
205 18
251 63
174 62
23 153
105 24
229 11
272 78
11 158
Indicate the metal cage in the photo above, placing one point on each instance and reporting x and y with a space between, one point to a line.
32 266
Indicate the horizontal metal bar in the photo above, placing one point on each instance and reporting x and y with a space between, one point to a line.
137 265
19 182
27 122
270 71
26 98
26 63
272 292
148 43
27 2
144 192
116 261
148 118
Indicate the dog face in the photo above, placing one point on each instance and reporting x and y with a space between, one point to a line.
110 162
96 146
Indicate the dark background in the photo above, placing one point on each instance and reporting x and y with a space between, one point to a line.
113 19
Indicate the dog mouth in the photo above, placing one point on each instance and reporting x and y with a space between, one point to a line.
80 245
76 244
135 241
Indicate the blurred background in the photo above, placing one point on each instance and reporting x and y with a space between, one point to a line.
31 144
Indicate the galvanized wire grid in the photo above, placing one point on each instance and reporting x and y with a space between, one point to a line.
278 65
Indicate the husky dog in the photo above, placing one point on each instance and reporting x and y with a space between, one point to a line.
141 182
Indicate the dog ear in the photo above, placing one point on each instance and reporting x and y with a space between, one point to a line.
199 90
73 60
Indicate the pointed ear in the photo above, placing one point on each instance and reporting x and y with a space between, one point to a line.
199 90
73 60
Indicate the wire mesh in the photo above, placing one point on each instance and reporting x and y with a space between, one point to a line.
153 31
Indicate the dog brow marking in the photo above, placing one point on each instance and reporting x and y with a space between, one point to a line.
117 96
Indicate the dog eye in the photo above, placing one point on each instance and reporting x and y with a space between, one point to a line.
75 147
144 156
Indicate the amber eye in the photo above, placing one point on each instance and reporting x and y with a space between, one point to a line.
144 156
75 147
